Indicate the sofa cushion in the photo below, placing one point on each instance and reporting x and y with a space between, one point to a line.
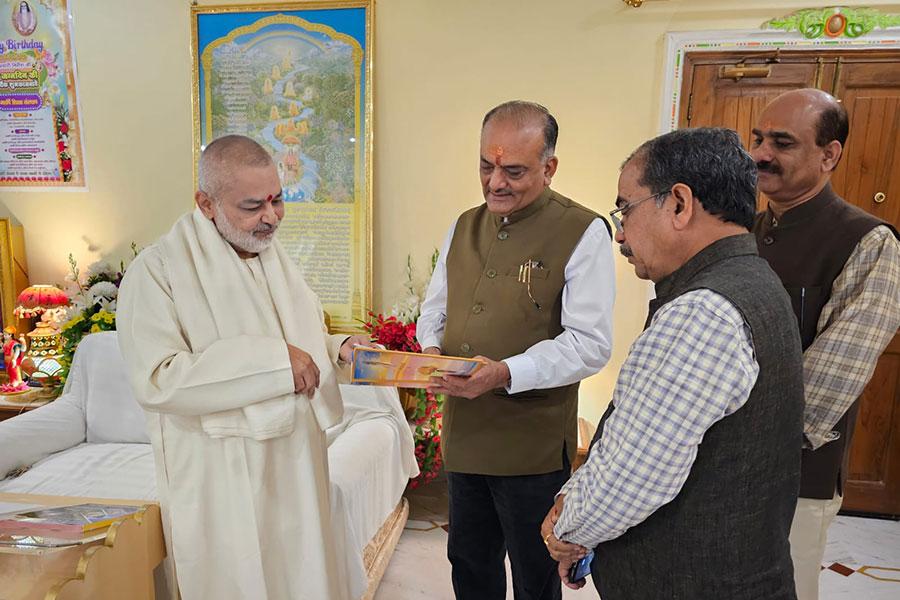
91 470
100 378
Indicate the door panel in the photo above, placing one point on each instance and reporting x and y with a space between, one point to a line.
868 83
871 163
870 171
873 483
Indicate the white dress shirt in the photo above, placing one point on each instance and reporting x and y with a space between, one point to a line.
585 344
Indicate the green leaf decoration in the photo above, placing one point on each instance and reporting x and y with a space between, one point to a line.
834 22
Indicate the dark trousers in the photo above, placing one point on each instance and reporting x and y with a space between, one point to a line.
492 515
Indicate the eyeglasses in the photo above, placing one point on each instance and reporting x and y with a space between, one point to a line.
627 207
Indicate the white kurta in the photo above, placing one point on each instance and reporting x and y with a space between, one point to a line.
244 517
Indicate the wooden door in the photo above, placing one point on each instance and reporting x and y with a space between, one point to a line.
730 90
869 176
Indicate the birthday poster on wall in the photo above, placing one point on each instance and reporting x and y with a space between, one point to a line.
40 141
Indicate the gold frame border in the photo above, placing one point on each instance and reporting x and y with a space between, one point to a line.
367 118
8 292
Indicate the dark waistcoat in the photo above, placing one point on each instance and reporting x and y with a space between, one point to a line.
725 535
808 248
489 313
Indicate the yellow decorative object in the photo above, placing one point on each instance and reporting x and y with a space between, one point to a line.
44 340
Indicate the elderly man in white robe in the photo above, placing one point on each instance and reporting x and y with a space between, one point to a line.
231 361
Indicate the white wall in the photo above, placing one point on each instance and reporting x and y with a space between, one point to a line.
439 65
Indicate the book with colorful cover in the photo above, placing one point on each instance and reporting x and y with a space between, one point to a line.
65 521
374 366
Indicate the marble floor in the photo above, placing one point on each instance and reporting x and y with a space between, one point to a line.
862 560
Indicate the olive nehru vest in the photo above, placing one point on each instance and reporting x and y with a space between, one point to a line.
490 313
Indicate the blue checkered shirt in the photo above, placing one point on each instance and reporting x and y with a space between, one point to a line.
692 367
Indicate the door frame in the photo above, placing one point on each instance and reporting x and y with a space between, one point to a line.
679 43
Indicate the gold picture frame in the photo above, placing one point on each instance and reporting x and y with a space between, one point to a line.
298 78
13 269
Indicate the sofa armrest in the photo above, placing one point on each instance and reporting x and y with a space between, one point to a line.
34 435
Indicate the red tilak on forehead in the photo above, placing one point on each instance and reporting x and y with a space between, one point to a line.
498 154
269 198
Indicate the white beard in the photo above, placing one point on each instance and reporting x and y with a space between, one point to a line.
242 240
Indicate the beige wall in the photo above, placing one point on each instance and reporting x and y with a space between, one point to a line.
439 65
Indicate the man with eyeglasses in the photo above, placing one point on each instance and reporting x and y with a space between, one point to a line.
526 281
841 267
691 481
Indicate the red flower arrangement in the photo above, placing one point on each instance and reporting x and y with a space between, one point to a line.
62 144
428 437
393 334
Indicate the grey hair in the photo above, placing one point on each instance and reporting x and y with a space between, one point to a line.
711 161
221 156
524 113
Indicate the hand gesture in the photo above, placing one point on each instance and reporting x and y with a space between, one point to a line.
560 551
492 375
564 577
346 351
305 371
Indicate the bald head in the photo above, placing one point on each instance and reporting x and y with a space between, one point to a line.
224 156
797 143
831 122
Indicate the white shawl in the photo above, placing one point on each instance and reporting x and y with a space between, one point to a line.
218 299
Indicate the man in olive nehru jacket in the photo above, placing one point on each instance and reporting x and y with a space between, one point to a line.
526 281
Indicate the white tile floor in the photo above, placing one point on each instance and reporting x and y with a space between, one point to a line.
871 548
419 567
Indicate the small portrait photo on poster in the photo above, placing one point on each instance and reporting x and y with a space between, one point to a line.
23 18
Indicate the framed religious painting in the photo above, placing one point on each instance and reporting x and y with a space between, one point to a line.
297 78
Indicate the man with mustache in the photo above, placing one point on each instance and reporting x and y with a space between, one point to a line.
230 359
691 481
841 267
525 281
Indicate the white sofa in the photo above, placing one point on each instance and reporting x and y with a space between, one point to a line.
92 441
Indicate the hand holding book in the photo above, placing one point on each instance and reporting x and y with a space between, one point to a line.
374 366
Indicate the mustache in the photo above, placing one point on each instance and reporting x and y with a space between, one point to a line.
625 250
766 166
265 228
